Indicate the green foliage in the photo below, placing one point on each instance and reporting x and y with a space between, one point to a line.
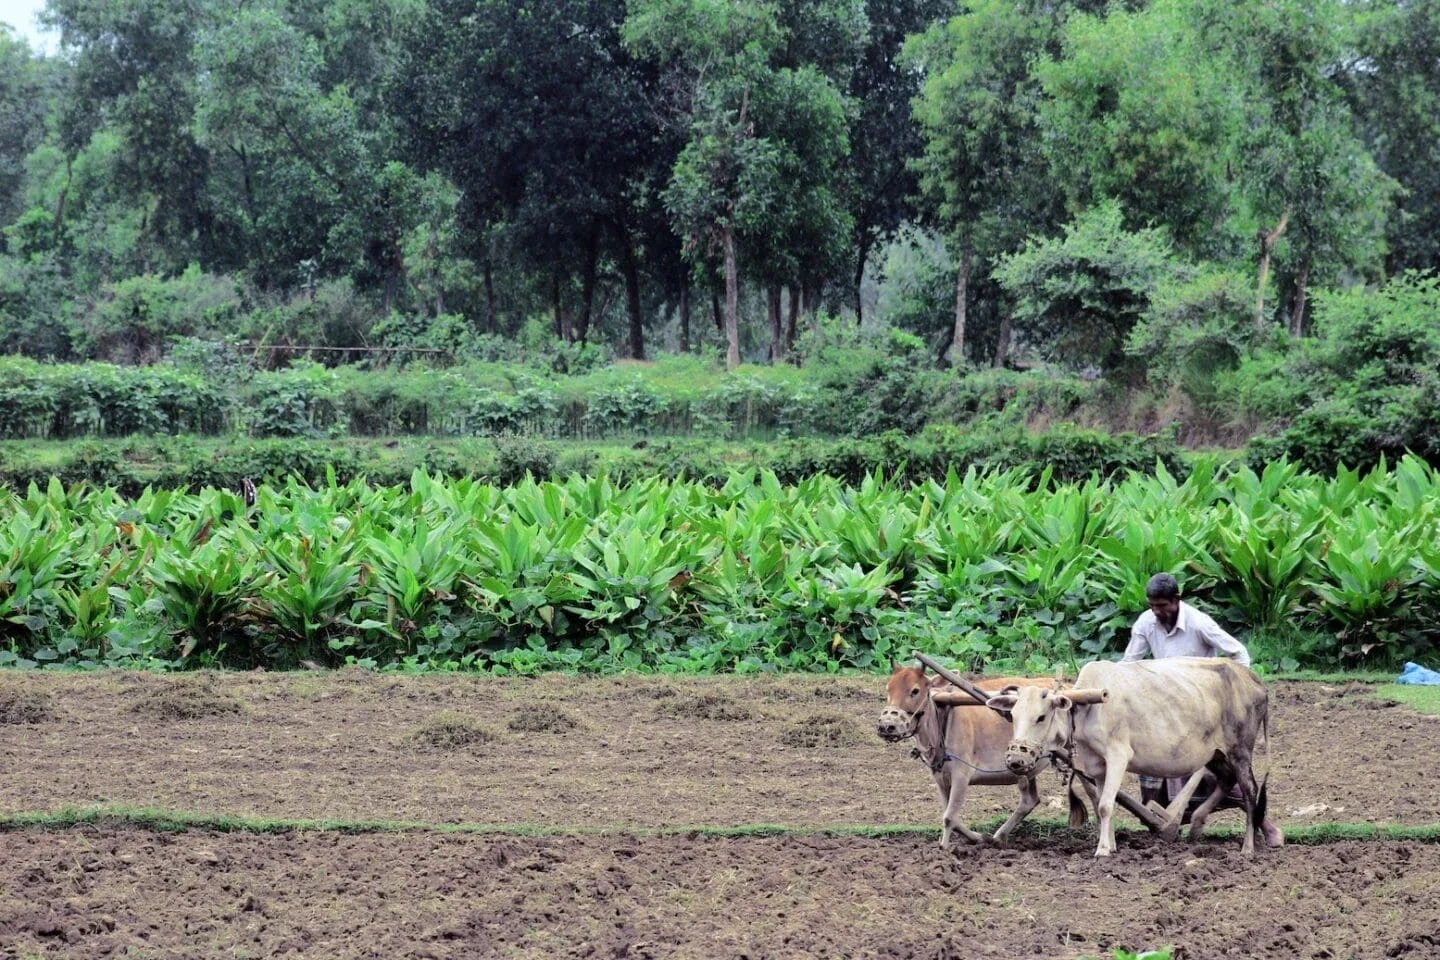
1366 387
1139 107
1198 324
1080 295
1008 568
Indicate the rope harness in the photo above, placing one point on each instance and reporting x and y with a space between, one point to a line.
937 763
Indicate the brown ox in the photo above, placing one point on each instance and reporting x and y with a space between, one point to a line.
972 750
1163 718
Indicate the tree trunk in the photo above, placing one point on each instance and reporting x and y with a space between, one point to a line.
433 251
719 314
489 298
587 284
793 321
64 192
1302 287
862 254
685 318
1267 247
777 332
632 299
956 353
732 303
561 330
1002 346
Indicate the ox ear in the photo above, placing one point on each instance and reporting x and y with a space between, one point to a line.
1061 702
1002 702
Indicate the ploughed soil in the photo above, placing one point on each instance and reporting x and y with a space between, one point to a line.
103 891
620 754
566 752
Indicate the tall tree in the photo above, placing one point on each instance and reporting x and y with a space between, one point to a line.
982 173
1394 87
717 56
879 179
540 116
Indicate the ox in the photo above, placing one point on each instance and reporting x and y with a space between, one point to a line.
1163 718
970 751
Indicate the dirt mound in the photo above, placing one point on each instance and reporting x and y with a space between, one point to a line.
19 704
823 730
186 698
545 720
448 730
707 706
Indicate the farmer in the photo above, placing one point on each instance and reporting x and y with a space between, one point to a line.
1173 628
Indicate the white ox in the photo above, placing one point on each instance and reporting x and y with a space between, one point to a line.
1162 718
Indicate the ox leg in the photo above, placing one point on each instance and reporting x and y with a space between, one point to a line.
1078 813
1224 780
1116 762
1029 800
950 817
1250 790
1176 811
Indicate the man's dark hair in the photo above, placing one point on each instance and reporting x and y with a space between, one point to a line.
1162 586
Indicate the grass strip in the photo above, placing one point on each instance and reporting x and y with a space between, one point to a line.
178 821
1421 699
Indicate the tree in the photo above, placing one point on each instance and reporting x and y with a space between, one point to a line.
1141 107
134 73
879 180
725 179
982 174
540 116
1078 296
1302 167
1394 90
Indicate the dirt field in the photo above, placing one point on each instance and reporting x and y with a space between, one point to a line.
641 751
618 754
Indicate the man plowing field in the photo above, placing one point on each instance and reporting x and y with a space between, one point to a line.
1173 628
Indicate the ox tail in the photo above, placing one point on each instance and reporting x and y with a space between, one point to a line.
1262 801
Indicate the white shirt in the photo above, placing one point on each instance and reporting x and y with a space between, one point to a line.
1196 634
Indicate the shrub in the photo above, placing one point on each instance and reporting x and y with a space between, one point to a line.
1079 295
1366 386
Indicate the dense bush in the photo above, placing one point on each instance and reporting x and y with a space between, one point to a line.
131 465
747 574
1366 386
853 392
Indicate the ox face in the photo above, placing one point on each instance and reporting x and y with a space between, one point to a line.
907 697
1041 721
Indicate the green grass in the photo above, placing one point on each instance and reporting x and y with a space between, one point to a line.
170 821
1336 676
1420 699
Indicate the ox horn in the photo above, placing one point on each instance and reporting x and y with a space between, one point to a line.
1088 696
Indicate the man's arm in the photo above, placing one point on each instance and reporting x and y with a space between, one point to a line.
1139 644
1222 643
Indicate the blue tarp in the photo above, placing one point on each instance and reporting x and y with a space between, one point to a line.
1414 673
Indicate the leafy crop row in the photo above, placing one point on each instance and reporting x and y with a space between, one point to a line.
747 575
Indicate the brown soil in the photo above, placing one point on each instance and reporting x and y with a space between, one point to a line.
545 719
448 730
21 704
185 698
334 745
99 892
